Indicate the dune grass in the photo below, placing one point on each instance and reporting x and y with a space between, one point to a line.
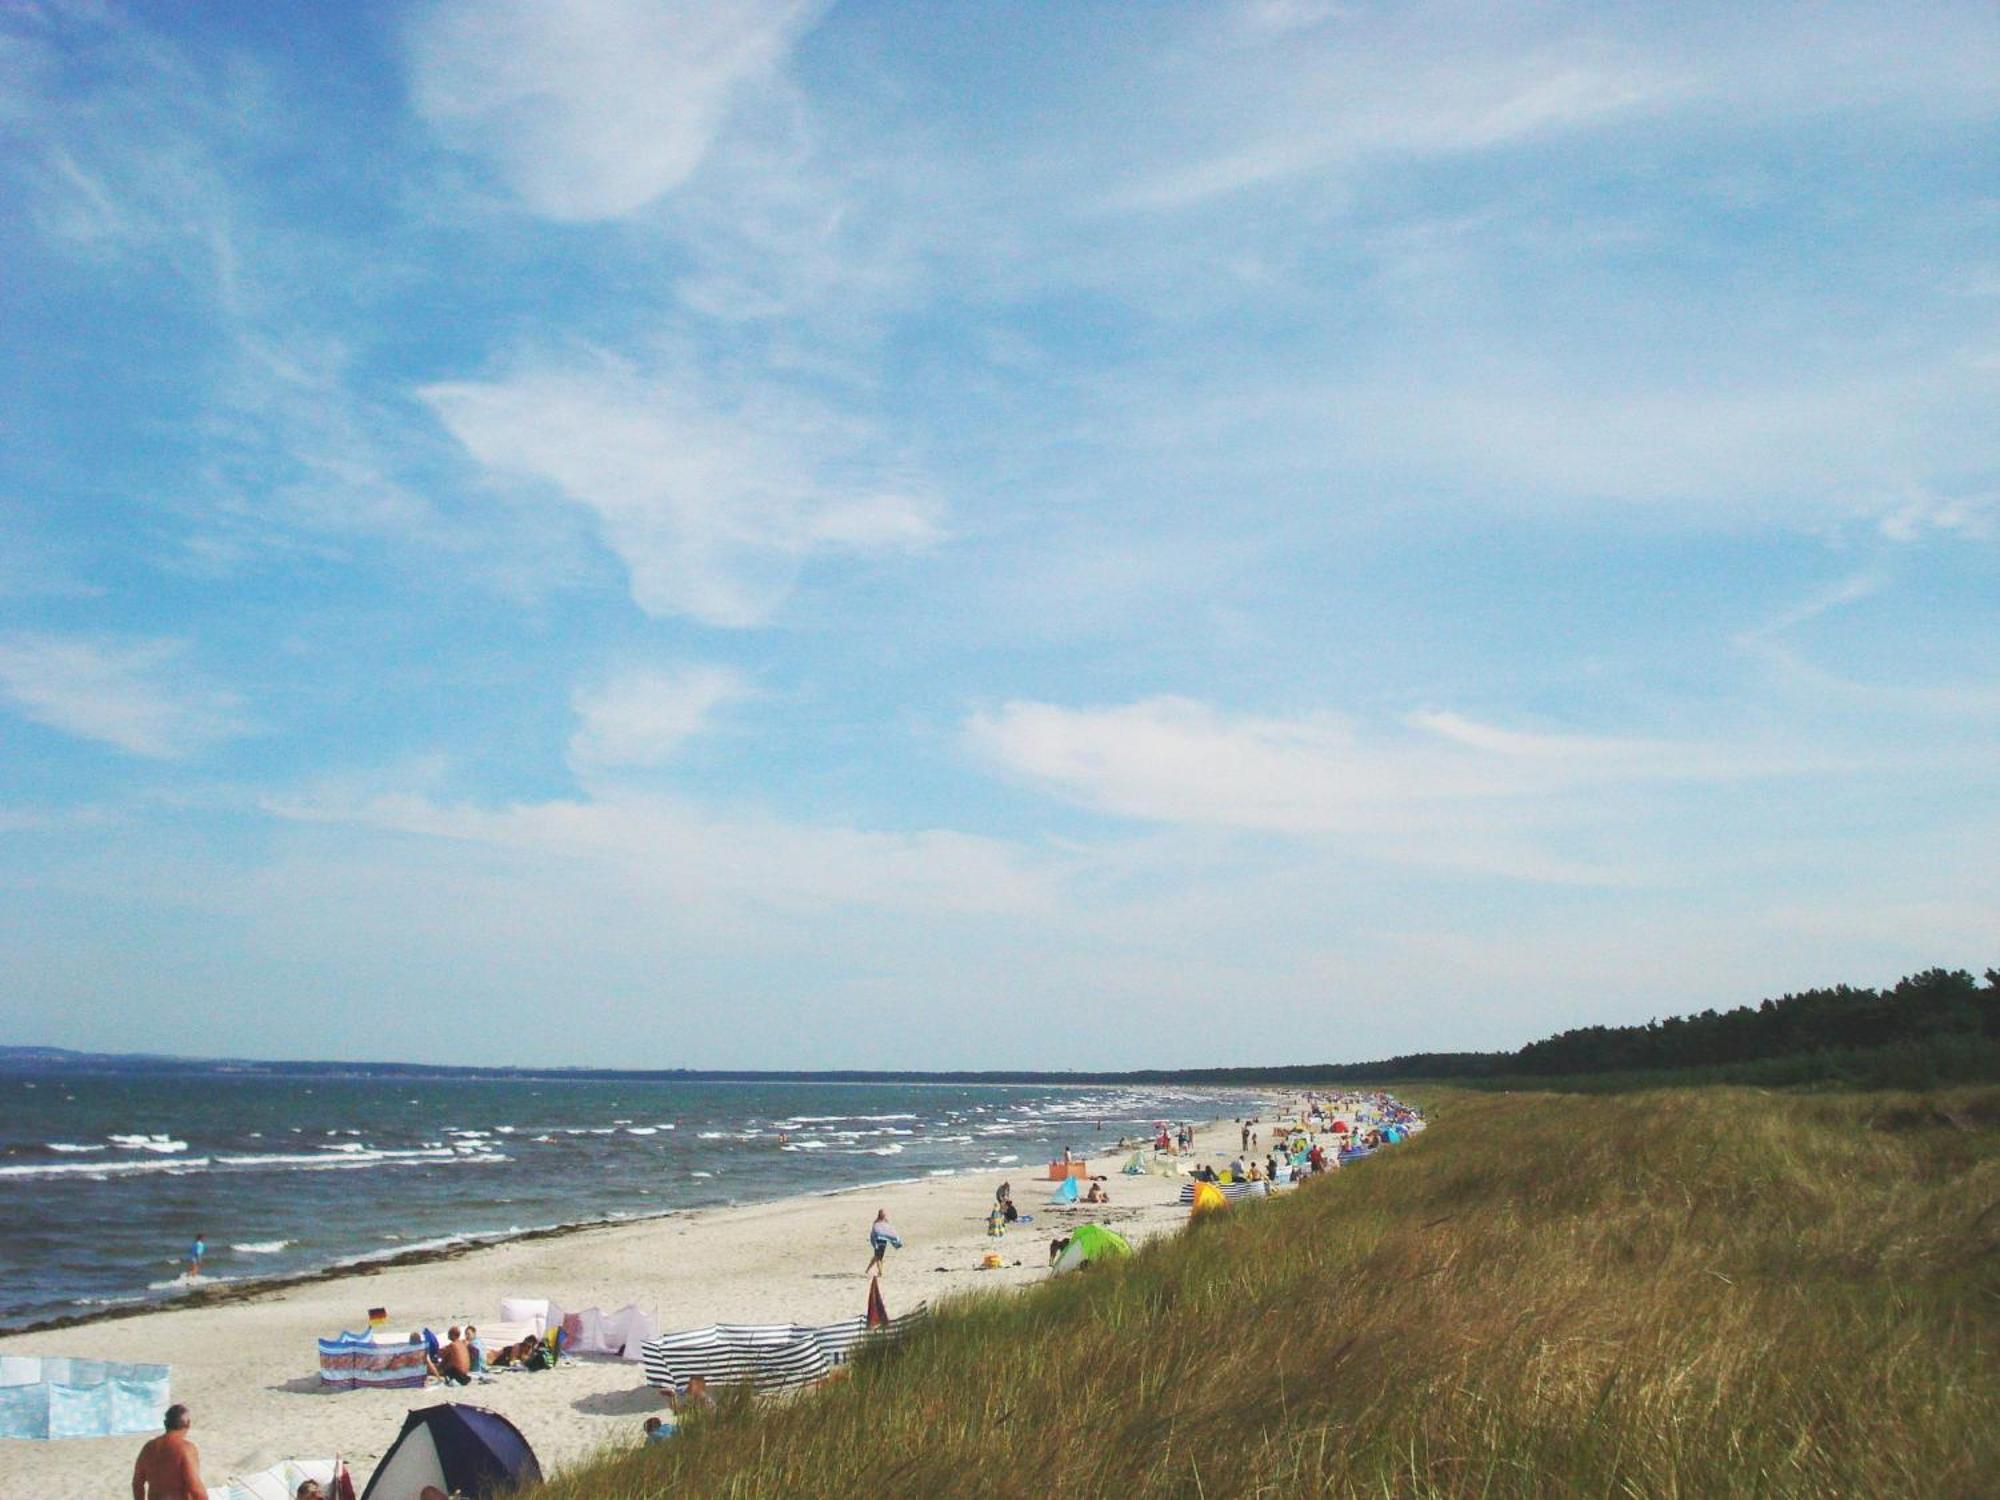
1681 1293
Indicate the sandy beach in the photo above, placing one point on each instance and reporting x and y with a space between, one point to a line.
248 1368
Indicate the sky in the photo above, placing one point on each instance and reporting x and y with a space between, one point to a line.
867 535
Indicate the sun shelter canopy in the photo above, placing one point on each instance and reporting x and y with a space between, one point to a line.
455 1449
65 1398
1066 1193
355 1361
620 1333
1090 1243
279 1482
768 1356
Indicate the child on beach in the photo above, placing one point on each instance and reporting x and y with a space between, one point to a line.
880 1238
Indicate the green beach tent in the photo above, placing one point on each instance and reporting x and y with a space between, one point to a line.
1089 1243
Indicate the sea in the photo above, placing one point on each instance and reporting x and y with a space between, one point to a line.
107 1178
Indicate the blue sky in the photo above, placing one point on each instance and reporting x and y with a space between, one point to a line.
804 535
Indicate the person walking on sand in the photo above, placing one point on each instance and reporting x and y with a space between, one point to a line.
169 1467
880 1238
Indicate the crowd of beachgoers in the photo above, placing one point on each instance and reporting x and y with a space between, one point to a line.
1092 1213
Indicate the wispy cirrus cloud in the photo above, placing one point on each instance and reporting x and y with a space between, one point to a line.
592 110
134 695
1177 761
668 850
712 498
1357 108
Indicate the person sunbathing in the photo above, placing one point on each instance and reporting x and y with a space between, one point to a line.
455 1359
1097 1194
694 1398
517 1354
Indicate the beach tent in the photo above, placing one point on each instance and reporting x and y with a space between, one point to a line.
282 1481
1136 1166
353 1361
64 1398
1227 1192
594 1331
1091 1242
1205 1197
1066 1193
456 1449
769 1356
1164 1166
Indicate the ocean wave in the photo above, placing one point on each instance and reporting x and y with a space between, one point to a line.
193 1166
642 1130
165 1145
105 1169
262 1247
72 1146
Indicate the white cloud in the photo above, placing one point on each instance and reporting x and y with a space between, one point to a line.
127 694
640 717
1266 103
591 109
665 851
712 503
1172 760
1975 518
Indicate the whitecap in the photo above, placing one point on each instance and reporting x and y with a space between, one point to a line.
261 1247
165 1145
71 1146
105 1169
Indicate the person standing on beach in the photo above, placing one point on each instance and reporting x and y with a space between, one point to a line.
195 1253
880 1238
169 1467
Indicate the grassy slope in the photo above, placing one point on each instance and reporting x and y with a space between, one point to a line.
1680 1293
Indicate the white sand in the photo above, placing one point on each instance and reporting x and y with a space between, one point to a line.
249 1369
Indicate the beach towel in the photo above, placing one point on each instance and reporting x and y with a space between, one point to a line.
282 1480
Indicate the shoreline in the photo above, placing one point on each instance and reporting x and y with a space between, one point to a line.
240 1289
244 1356
111 1292
230 1291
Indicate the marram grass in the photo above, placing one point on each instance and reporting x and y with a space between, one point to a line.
1684 1293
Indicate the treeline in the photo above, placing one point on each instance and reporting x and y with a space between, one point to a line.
1940 1026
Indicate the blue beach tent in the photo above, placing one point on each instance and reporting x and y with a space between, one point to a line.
1066 1193
464 1450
